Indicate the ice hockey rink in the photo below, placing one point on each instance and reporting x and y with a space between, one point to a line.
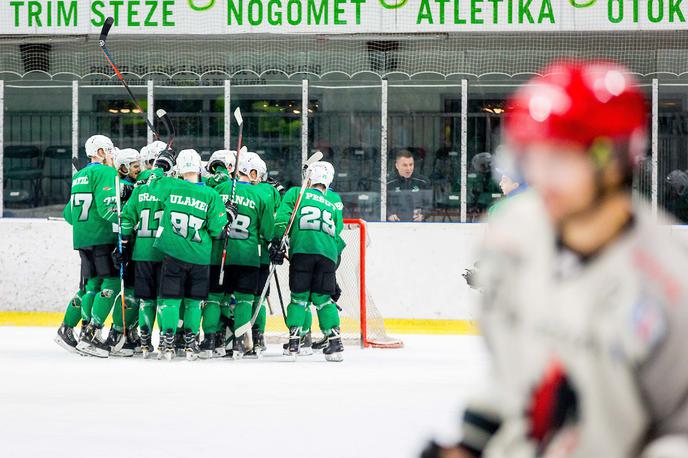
377 403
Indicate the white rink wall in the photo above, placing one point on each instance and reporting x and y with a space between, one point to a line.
414 270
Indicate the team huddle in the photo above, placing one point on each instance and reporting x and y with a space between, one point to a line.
167 238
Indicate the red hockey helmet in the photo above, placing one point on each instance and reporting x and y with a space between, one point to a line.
581 103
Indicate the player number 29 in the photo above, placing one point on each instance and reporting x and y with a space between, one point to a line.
313 219
181 223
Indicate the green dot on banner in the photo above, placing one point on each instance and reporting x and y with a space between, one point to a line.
390 5
582 3
195 7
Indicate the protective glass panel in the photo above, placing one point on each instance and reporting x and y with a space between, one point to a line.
424 144
272 125
197 114
672 160
344 123
37 151
109 111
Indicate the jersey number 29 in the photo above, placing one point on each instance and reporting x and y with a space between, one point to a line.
314 219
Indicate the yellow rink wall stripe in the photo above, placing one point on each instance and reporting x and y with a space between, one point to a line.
275 323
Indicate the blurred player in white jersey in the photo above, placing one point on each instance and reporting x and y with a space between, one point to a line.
585 310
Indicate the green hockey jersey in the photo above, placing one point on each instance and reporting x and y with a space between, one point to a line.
318 224
142 214
194 213
252 226
92 206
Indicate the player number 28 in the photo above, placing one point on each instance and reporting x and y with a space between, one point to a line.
239 228
312 218
181 223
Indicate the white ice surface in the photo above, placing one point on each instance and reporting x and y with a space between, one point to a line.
377 403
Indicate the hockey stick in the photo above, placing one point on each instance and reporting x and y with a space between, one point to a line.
235 172
281 301
162 114
120 344
283 241
103 38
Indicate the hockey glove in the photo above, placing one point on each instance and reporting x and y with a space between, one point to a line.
277 252
121 259
165 160
337 292
277 185
232 212
125 192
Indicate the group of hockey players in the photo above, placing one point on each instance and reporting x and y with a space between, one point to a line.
153 228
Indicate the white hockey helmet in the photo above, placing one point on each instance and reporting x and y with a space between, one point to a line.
98 142
321 172
227 157
262 169
151 151
188 161
249 161
124 157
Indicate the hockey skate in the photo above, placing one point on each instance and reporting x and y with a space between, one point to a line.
294 343
207 347
179 345
335 349
318 345
220 351
132 345
305 346
258 345
91 342
191 348
65 338
242 345
146 344
168 350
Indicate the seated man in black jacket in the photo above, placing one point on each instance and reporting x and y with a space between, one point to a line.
407 195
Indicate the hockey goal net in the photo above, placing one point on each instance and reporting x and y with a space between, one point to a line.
361 321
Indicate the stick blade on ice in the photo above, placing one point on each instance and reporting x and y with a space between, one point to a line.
106 30
237 116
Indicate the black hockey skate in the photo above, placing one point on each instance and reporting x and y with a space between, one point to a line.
335 349
258 345
220 351
65 338
146 344
191 348
131 346
169 351
179 344
91 342
242 345
305 346
84 325
294 343
207 346
318 345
